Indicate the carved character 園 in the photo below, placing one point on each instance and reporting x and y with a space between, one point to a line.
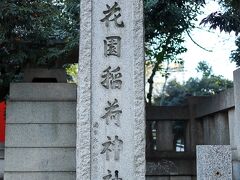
112 78
112 46
112 14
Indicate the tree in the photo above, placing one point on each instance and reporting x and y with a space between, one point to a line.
227 20
209 84
45 32
39 32
166 21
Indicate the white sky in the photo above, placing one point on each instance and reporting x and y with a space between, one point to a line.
221 45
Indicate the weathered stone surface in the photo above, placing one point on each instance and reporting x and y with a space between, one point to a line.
236 124
169 178
83 144
40 159
40 135
157 178
181 178
221 127
212 104
236 170
171 166
214 162
94 97
58 74
1 168
41 112
40 176
167 112
165 136
42 92
41 132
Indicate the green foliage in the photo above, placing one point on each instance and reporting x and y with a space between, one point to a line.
209 84
165 24
35 33
72 72
227 20
46 33
204 68
235 55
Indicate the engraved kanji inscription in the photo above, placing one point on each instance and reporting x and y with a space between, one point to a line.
112 14
112 78
112 46
112 146
116 176
109 176
112 113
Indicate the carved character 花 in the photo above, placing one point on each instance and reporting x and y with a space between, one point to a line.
112 14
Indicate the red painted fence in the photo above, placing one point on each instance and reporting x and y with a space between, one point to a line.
2 121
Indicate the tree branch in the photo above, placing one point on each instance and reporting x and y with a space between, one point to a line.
197 43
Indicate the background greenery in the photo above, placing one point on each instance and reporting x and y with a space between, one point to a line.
176 93
35 33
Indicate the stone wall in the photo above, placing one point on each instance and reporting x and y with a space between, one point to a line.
41 132
41 135
171 178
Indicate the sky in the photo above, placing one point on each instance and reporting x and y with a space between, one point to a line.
221 45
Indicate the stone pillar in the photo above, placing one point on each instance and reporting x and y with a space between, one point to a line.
222 128
214 162
235 126
110 105
194 126
165 136
208 130
231 117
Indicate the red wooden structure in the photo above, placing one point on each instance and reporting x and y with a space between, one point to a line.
2 121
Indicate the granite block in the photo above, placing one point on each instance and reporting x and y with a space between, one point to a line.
214 162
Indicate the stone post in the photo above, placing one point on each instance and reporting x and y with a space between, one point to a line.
235 125
110 105
214 162
221 127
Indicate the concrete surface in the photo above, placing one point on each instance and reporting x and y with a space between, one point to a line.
214 162
37 112
31 74
41 132
42 92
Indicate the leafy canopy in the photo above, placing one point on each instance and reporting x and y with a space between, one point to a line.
227 20
35 32
165 25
